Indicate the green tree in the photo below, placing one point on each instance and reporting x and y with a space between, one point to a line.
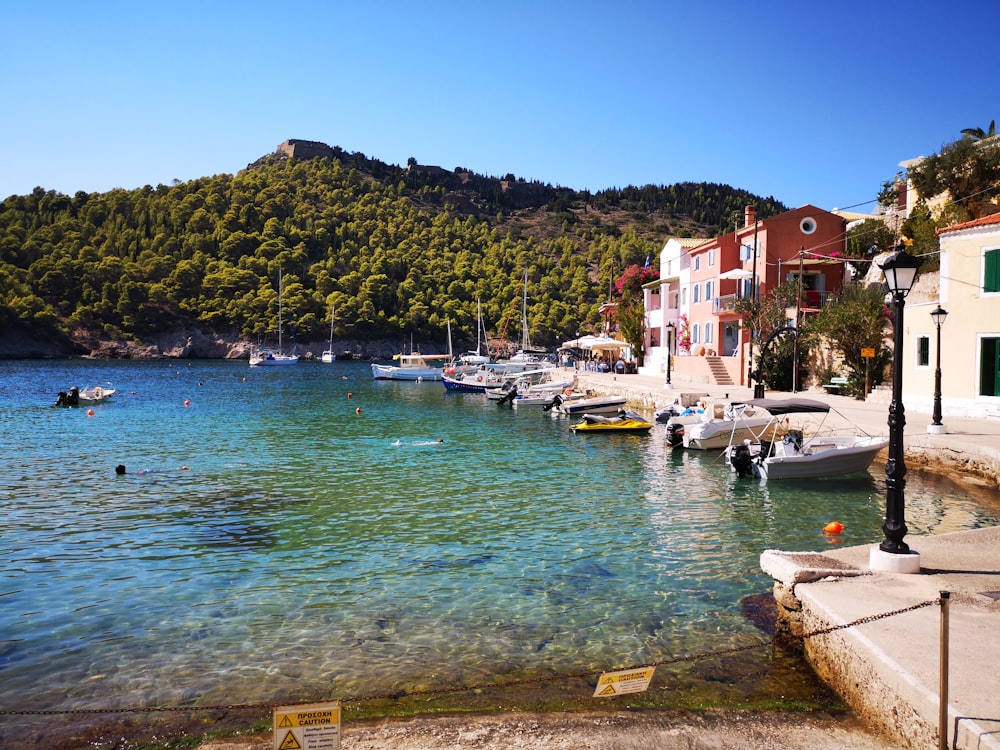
856 322
631 313
765 317
968 170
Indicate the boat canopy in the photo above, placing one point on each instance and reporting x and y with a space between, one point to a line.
779 406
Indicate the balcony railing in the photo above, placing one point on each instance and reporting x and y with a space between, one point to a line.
725 303
811 299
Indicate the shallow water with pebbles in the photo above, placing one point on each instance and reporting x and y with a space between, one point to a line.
269 541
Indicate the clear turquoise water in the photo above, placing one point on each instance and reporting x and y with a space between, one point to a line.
303 552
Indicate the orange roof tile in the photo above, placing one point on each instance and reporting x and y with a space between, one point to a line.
982 221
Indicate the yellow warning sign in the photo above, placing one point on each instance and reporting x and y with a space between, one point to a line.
315 726
867 352
625 681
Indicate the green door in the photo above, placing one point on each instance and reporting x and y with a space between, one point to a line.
989 368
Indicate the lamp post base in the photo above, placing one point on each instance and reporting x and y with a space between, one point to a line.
886 562
936 429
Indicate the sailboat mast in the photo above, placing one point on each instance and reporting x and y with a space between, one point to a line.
479 326
524 315
279 309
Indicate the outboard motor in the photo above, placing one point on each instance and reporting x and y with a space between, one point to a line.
675 435
555 402
742 460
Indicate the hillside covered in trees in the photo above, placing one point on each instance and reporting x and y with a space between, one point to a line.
397 251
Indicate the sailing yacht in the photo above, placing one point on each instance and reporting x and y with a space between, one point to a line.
260 357
328 355
526 358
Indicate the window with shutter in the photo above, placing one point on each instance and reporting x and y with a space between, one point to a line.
991 271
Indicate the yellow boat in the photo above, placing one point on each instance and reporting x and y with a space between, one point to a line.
624 422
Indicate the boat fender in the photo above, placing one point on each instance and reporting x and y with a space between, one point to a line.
568 392
479 378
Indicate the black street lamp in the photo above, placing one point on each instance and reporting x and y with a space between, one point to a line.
935 427
900 271
670 343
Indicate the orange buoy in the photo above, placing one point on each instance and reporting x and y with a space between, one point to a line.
358 410
350 395
834 527
187 402
90 412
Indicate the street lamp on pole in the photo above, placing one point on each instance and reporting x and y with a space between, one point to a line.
893 554
935 427
670 344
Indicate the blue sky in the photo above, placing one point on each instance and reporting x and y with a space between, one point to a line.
806 102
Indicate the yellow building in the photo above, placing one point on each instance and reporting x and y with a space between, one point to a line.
969 289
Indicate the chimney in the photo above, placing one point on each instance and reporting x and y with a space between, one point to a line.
749 216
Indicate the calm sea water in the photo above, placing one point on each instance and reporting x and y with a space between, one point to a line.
270 541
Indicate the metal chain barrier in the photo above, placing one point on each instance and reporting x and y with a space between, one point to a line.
398 694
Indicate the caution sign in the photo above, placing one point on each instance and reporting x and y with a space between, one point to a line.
315 726
867 352
626 681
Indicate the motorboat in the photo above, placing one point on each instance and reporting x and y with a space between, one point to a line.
533 389
260 357
716 425
625 421
413 366
96 394
494 379
529 401
86 397
780 451
593 405
477 380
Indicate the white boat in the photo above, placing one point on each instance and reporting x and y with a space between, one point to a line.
96 395
329 355
591 405
476 358
261 357
537 388
526 358
477 380
85 397
414 366
717 425
783 452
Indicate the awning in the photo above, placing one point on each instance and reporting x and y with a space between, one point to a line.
608 345
596 342
779 406
736 273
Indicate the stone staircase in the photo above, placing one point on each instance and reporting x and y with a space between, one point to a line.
720 375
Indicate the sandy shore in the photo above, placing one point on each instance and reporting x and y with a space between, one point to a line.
611 730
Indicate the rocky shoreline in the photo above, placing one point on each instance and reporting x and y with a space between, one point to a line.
187 344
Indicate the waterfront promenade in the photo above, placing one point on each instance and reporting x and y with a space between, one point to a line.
888 668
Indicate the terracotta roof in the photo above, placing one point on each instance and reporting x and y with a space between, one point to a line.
689 241
982 221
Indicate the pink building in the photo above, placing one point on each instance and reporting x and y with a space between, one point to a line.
708 342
